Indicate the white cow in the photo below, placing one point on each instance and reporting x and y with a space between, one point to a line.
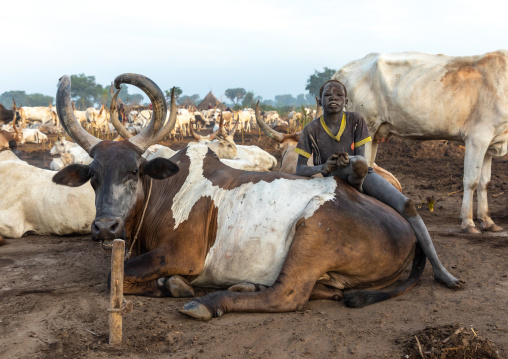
31 135
245 116
247 158
58 163
437 97
78 155
37 114
31 202
98 118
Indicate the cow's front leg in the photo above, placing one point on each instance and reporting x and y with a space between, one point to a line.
142 274
483 204
178 286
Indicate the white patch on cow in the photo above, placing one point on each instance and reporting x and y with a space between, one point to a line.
255 221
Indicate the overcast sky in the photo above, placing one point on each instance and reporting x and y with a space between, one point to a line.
269 47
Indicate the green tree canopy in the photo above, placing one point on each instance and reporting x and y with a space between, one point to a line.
316 80
235 94
85 91
248 99
23 99
178 92
285 100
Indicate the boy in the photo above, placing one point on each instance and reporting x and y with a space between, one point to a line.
336 142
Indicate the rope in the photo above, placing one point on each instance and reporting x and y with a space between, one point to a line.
128 255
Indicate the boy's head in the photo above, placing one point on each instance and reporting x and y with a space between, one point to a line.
327 82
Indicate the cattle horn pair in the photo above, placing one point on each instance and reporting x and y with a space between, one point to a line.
153 133
270 132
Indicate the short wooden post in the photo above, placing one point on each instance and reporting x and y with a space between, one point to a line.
116 295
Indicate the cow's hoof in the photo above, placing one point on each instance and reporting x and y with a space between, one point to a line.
471 230
493 228
196 310
179 287
243 287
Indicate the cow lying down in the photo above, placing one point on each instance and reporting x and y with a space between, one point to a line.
206 224
31 202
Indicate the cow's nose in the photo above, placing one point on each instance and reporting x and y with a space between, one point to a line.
107 228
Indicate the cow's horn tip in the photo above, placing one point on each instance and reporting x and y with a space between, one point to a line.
196 310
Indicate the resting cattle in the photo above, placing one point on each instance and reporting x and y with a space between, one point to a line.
437 97
31 202
217 226
248 158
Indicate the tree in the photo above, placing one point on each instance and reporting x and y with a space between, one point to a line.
84 91
235 94
178 92
285 100
248 100
23 99
316 80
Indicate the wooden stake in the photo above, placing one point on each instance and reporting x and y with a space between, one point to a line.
116 295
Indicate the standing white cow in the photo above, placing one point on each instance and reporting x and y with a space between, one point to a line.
437 97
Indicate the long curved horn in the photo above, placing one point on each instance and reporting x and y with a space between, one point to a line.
147 136
68 120
171 121
233 130
194 134
122 131
270 132
319 110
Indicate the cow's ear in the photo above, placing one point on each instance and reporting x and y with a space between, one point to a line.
159 168
73 175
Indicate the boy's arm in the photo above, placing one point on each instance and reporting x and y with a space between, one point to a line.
303 170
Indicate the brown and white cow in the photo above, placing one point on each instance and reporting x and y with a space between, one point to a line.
218 226
437 97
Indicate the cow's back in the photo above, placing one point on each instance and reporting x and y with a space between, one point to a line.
427 96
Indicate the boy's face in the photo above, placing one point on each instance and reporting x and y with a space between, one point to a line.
333 98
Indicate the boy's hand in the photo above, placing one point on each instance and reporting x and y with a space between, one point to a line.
343 159
331 164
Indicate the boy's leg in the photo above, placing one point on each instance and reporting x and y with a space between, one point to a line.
377 187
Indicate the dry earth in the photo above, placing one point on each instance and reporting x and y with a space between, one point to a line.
53 294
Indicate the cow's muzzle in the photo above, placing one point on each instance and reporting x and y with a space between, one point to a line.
107 229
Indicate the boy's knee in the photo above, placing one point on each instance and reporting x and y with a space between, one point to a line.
360 167
409 209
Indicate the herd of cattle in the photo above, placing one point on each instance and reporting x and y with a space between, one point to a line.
216 215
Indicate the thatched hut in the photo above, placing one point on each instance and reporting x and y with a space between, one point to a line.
188 103
212 101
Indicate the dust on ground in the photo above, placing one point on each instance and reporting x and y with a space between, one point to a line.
54 297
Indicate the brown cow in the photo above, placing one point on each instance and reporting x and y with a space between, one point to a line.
216 226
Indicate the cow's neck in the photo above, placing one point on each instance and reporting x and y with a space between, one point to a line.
133 221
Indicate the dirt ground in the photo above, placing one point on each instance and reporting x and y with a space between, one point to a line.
54 298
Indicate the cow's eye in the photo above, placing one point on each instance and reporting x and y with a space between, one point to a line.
135 171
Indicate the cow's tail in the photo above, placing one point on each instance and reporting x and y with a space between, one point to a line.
361 298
